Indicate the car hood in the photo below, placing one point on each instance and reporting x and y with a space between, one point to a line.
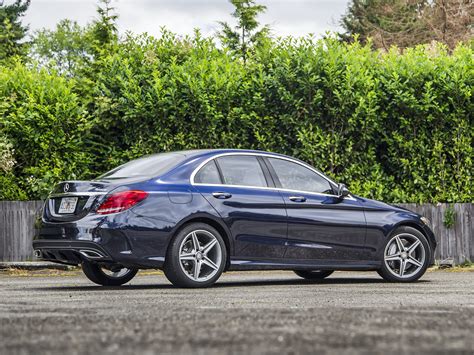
379 205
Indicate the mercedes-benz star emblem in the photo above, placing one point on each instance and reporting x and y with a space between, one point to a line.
66 187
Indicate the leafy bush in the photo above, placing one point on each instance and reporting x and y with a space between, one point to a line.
44 120
395 126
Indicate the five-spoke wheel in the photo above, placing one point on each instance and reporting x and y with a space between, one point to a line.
200 255
196 256
406 255
108 275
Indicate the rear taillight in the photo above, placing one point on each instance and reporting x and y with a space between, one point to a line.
120 201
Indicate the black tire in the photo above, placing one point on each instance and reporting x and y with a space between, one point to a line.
387 273
313 274
175 270
95 273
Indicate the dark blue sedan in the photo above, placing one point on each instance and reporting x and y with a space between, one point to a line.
195 214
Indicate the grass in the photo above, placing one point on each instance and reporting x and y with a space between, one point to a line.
466 266
17 272
73 271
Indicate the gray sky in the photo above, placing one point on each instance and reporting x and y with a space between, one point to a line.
286 17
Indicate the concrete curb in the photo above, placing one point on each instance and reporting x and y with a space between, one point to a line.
34 265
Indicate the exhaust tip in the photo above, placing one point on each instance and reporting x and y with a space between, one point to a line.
91 254
38 253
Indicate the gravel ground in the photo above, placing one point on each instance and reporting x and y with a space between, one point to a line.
252 312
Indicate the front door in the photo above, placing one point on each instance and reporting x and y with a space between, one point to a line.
237 187
321 227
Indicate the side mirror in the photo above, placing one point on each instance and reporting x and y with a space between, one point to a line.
342 191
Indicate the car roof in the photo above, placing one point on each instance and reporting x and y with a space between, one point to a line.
210 152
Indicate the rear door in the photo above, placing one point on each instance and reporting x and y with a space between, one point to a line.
321 227
237 187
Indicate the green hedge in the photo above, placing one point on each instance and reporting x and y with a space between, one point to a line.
393 126
44 120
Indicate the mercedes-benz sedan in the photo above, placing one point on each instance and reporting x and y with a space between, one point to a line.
195 214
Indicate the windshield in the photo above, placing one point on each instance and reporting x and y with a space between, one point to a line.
148 166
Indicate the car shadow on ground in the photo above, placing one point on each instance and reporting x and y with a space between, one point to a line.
226 283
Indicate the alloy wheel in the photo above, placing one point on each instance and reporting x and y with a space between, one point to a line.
404 255
200 255
115 272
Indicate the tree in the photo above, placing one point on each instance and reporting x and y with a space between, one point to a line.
73 49
66 48
406 23
246 34
104 28
12 32
450 21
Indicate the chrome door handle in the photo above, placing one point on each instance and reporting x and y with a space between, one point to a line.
221 195
297 198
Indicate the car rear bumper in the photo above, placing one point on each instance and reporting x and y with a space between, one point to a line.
70 252
74 252
102 239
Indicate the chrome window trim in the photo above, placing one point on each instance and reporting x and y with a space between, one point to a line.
193 174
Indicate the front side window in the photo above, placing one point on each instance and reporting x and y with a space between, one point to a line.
242 170
208 174
294 176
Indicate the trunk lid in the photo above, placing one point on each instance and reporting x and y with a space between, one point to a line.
72 200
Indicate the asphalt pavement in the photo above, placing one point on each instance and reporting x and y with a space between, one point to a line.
254 312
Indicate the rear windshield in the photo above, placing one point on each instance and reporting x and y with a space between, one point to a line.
150 166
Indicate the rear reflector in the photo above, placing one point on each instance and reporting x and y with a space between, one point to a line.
120 201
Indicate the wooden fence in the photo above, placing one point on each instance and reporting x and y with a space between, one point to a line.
17 219
455 244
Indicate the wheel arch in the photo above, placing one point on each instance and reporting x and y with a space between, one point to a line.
429 237
213 222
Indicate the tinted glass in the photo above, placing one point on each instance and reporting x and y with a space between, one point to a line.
153 165
242 170
208 174
294 176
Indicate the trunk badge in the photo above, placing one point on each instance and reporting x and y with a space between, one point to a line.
66 187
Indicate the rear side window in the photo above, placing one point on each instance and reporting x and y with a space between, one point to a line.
242 170
293 176
153 165
208 174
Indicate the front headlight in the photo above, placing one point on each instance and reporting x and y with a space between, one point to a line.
426 221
